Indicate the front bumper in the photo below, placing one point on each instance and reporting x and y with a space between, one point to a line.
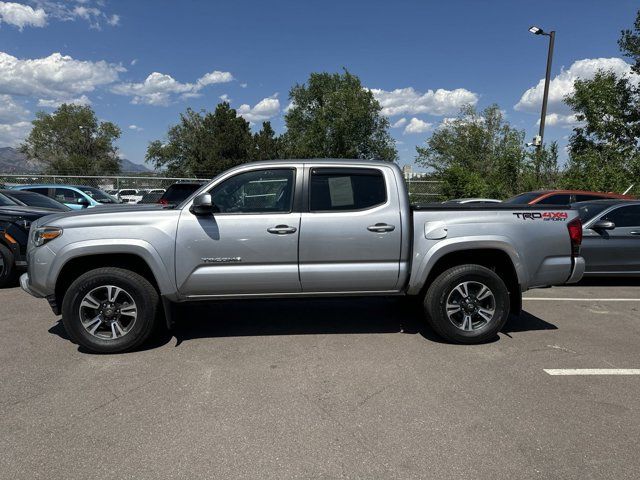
24 284
577 271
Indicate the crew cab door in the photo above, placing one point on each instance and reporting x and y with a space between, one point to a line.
616 250
250 246
350 233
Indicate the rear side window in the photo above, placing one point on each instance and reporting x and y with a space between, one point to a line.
178 192
128 192
336 189
41 191
66 195
625 216
559 199
586 198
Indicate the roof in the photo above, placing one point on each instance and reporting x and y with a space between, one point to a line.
608 201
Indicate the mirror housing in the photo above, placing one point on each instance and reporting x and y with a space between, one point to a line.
604 225
83 201
202 205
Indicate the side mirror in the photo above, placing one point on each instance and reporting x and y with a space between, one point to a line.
83 201
604 225
202 205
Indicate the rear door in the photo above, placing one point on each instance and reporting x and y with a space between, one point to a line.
617 250
350 235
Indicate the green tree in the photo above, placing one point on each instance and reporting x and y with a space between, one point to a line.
267 146
629 43
540 169
203 144
603 149
72 141
334 116
476 154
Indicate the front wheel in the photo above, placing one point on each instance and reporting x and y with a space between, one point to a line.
110 310
467 304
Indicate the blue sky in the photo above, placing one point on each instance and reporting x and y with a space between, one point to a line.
141 63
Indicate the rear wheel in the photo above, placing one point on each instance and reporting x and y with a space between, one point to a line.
110 310
467 304
7 266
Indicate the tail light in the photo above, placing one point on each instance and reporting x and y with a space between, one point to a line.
575 234
163 201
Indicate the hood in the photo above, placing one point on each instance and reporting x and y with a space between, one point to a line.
119 209
25 212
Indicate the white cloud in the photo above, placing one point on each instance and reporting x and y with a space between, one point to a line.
133 62
399 123
225 98
49 103
159 88
10 111
409 101
560 120
12 134
416 125
288 108
22 15
562 85
92 11
135 128
243 85
263 110
57 76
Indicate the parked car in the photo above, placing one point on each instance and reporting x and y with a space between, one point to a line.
75 197
15 221
465 201
562 197
151 197
128 195
178 192
611 237
32 199
292 229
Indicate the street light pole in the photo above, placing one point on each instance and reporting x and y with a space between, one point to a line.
547 80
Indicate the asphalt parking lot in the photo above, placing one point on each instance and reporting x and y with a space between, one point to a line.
328 389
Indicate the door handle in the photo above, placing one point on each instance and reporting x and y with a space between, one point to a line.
282 229
635 232
381 228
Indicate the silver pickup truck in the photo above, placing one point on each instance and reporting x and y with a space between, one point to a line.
297 228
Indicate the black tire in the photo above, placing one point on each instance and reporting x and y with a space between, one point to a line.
7 266
447 284
138 288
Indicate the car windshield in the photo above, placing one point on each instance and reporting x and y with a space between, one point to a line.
98 195
523 198
586 211
33 199
6 201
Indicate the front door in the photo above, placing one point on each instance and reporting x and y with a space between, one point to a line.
250 246
617 250
350 237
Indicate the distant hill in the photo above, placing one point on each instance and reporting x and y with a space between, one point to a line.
12 161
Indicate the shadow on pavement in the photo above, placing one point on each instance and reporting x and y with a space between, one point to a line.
369 315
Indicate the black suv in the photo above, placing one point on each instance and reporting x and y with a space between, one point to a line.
15 221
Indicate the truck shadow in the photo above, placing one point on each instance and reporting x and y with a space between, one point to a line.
371 315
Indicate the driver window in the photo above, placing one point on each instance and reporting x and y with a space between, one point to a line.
257 191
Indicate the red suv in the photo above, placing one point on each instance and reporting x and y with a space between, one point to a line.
562 197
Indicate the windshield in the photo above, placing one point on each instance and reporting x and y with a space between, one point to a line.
523 198
98 195
586 211
33 199
6 201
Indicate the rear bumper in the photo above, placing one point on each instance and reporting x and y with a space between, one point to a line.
577 271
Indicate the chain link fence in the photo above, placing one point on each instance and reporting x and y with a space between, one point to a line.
138 182
424 191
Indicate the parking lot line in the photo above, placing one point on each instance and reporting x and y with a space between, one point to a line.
561 299
592 371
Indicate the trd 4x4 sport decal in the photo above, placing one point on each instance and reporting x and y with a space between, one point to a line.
545 216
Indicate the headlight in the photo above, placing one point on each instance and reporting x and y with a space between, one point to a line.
43 235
